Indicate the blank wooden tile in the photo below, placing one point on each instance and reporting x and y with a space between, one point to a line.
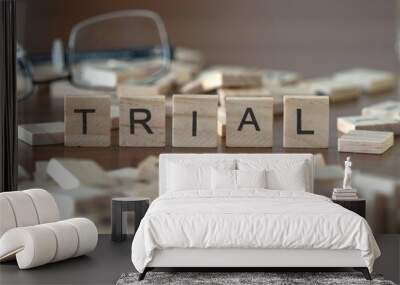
337 91
73 173
87 120
131 89
223 93
108 73
233 78
193 87
387 109
42 133
365 142
272 77
249 121
184 71
125 176
306 122
372 123
147 170
59 89
371 81
142 121
194 122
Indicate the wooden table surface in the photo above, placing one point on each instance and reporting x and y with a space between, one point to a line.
41 108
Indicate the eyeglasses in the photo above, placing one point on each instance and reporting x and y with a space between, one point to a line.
105 50
125 45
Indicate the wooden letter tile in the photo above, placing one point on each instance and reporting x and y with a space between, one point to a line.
87 120
306 122
232 78
73 173
372 123
336 90
387 109
142 121
194 122
249 121
365 142
272 77
371 81
42 133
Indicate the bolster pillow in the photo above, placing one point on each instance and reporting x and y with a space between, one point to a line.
40 244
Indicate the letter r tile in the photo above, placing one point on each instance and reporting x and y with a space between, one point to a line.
194 121
306 121
87 120
142 121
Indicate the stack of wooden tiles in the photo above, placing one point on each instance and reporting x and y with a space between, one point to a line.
372 123
360 141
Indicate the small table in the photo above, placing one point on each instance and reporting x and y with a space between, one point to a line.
119 209
357 206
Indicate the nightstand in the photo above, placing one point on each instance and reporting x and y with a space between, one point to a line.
357 206
119 207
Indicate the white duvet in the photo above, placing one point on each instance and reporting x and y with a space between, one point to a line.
250 219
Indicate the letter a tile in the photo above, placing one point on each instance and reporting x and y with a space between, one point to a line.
249 121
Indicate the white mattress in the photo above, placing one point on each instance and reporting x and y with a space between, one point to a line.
258 219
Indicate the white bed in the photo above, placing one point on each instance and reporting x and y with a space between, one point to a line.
283 225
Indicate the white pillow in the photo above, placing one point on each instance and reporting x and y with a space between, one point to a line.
223 179
183 177
251 178
287 175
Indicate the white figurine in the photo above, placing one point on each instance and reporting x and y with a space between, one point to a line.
347 174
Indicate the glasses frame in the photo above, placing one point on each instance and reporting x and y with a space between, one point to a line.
72 57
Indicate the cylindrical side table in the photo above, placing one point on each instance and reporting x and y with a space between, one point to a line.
119 209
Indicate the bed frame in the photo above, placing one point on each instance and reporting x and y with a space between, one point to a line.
242 259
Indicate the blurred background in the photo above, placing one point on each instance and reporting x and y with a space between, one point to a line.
311 38
278 34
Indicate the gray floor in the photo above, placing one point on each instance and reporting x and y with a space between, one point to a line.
110 260
103 266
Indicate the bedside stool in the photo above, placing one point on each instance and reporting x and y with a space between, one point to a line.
357 206
119 209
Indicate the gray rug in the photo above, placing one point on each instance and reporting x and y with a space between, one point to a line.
232 278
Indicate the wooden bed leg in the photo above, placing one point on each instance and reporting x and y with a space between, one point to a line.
143 274
364 271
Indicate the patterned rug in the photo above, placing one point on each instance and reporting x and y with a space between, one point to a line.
243 278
